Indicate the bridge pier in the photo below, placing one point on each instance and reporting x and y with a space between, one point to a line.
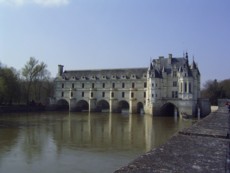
92 104
132 106
113 105
72 104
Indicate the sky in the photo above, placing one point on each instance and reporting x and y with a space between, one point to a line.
98 34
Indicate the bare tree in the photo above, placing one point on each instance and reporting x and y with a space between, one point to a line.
33 71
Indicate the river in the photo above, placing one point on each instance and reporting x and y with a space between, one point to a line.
63 142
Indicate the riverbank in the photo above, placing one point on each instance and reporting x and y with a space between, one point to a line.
22 108
204 147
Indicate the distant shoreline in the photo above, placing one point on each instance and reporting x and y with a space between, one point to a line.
22 108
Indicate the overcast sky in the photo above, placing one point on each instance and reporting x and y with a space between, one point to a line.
97 34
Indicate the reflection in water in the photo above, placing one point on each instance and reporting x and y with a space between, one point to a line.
70 142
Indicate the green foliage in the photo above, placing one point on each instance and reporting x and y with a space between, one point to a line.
9 85
35 83
215 90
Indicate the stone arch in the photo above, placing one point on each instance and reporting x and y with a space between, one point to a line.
103 106
62 105
123 106
140 108
82 105
169 109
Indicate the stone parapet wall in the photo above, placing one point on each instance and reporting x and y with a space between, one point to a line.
204 147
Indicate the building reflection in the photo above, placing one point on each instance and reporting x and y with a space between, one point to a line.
114 131
104 131
38 136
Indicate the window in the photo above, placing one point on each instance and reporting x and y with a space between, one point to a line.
113 85
112 94
123 85
92 85
174 94
132 94
103 85
62 85
133 85
72 85
62 94
174 74
152 84
91 94
190 87
103 94
83 85
71 94
123 94
174 83
82 94
185 87
145 85
144 94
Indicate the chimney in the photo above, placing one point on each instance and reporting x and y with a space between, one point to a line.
60 70
170 56
170 59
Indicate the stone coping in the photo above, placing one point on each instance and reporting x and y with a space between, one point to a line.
204 147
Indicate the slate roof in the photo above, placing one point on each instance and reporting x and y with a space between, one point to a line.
158 66
125 73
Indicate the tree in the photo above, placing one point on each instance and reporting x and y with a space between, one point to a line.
225 84
9 85
215 90
33 72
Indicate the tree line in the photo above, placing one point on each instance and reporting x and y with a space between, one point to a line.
32 84
214 90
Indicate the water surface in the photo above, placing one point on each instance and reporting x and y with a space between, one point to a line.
62 142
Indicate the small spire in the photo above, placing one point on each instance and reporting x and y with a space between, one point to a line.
151 66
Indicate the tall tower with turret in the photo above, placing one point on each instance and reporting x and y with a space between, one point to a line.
172 83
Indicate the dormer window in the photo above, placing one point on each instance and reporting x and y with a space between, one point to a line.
93 77
114 77
103 77
133 76
74 78
123 77
83 78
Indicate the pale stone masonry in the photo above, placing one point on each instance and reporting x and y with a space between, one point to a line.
170 84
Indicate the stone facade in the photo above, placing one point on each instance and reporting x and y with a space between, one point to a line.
170 84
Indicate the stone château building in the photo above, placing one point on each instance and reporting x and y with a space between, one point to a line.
168 86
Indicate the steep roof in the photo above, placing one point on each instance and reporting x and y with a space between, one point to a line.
167 65
107 73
